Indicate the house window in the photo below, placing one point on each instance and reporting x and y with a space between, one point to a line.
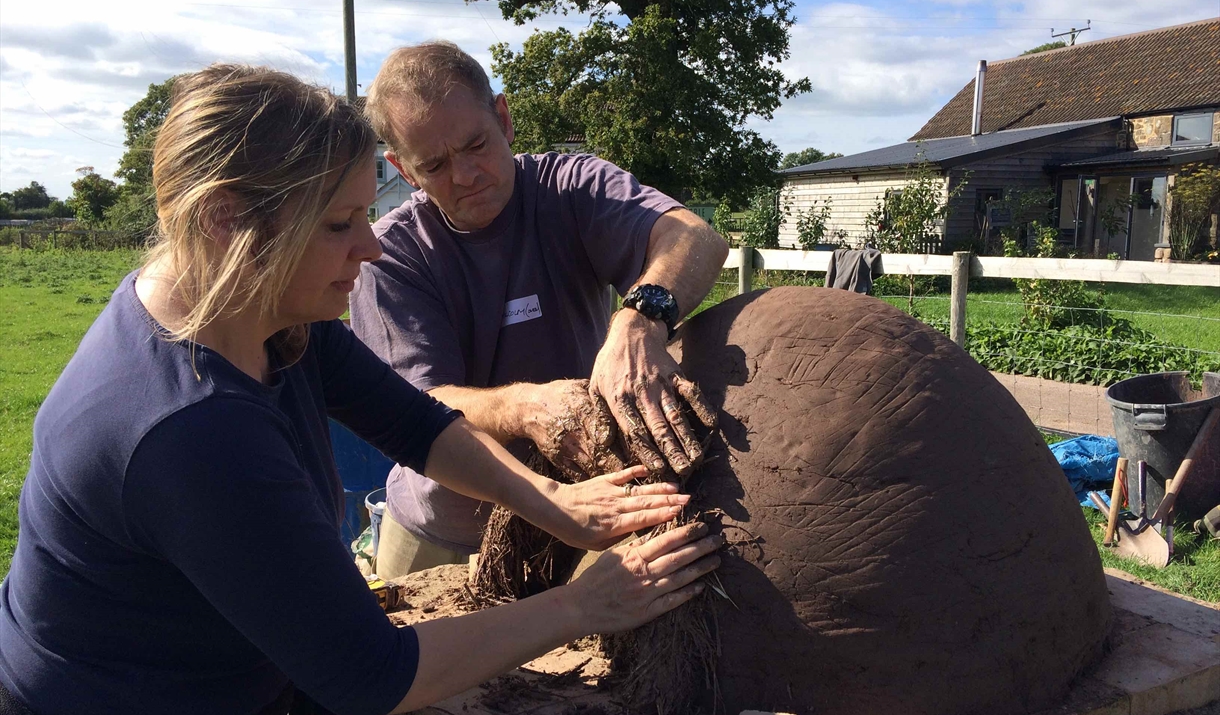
372 214
381 169
1192 129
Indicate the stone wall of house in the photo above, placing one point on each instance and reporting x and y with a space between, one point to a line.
1152 131
1215 134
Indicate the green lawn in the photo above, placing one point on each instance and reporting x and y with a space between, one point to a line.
48 299
1194 570
1188 316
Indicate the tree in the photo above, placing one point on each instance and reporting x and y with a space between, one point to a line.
140 124
92 195
663 89
806 156
1043 48
33 196
134 212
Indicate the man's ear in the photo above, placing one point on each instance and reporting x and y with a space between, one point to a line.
504 118
391 157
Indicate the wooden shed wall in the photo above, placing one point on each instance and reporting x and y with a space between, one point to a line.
1026 170
851 200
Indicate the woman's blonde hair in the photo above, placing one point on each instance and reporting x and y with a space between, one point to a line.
266 145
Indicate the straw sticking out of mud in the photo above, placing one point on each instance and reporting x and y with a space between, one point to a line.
517 559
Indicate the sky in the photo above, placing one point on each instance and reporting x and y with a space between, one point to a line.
879 70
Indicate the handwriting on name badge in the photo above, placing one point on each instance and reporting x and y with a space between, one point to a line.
520 310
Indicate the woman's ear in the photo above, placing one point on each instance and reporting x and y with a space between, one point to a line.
219 218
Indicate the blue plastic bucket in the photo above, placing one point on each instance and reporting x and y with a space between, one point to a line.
375 503
362 469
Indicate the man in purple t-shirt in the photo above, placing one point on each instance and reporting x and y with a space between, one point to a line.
492 295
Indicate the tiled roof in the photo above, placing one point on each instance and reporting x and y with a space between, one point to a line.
1148 72
954 151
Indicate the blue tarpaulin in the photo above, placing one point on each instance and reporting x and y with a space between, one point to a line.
1088 462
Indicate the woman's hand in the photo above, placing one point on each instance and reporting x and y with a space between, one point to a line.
634 583
593 514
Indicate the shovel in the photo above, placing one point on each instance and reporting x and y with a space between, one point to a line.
1139 538
1134 538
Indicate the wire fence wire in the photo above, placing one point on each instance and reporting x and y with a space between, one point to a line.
1058 374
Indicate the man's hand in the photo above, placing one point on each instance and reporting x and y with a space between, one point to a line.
573 429
640 382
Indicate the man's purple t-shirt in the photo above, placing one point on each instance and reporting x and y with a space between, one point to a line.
522 300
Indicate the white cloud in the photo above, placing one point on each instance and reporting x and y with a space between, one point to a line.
879 71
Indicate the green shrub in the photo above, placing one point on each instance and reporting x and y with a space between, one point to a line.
763 218
1084 353
905 220
812 229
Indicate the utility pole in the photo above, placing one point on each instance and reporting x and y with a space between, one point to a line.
1073 32
349 47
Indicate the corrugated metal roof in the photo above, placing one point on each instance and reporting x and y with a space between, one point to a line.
952 151
1163 156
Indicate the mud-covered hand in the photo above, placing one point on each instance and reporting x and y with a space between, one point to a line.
632 584
573 429
596 513
641 384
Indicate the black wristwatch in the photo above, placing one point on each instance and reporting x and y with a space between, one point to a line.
653 301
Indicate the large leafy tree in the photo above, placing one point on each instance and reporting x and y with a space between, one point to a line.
806 156
135 210
33 196
662 88
92 195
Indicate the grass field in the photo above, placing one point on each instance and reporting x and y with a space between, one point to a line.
48 299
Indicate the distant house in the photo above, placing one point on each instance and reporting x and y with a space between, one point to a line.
392 189
1105 125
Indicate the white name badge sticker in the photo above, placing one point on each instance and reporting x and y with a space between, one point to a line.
520 310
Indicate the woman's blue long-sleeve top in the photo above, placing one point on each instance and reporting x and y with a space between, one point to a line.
178 547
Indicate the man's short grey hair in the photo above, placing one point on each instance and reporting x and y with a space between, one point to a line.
416 78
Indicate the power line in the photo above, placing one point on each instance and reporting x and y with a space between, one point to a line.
65 126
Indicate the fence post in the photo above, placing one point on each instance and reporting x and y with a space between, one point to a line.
745 270
957 297
21 239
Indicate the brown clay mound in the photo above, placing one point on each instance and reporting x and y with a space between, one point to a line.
914 546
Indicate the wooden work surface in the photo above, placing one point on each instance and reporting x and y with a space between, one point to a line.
1164 658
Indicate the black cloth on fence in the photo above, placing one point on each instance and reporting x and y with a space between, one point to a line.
854 269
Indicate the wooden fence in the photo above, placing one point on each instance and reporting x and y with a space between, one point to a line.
73 238
961 266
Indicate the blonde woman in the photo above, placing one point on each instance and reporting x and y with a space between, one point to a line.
179 545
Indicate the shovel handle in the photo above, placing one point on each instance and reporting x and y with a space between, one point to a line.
1116 498
1171 494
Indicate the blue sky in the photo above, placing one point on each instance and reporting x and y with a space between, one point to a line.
68 69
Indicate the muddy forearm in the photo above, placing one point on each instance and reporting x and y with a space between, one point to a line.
499 411
685 256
